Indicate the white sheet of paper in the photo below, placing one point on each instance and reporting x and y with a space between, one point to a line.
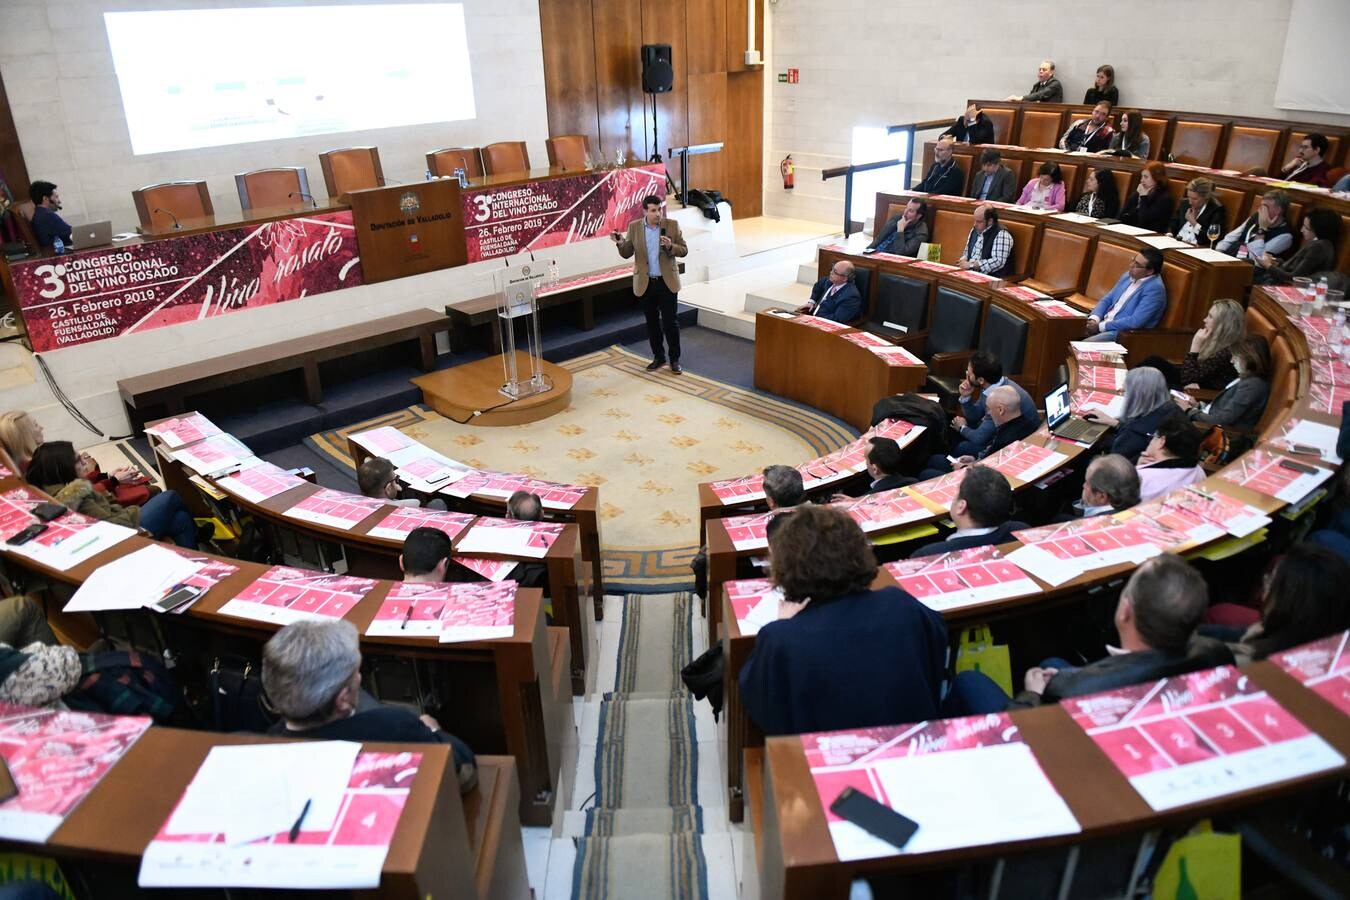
1045 566
1076 217
1115 409
1098 347
133 581
1122 228
68 554
1162 242
258 790
1208 255
963 798
505 541
1314 434
765 611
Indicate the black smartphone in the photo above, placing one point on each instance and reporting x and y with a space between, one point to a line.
1298 467
48 511
27 534
869 815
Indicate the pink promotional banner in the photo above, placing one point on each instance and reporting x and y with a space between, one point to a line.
97 294
534 215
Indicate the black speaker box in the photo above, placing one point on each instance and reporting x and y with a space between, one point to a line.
658 75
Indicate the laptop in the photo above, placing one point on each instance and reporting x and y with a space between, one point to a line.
1063 423
95 234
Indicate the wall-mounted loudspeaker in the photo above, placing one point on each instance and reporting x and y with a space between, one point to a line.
658 75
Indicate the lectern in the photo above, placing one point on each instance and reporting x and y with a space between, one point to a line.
517 300
407 229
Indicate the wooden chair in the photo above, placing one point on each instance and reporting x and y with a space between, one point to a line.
159 205
1109 262
1040 128
1059 265
950 228
351 169
1156 129
1002 120
1171 339
1024 235
263 188
1249 146
445 162
567 151
505 157
1196 143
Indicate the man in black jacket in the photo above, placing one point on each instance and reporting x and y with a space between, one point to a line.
1156 617
1004 407
945 177
972 128
981 509
1047 88
994 181
904 231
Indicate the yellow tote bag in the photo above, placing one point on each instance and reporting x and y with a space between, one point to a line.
1201 866
978 653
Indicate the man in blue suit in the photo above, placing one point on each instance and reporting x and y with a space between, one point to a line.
835 296
1138 300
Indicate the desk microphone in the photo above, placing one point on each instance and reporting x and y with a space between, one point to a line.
304 195
176 224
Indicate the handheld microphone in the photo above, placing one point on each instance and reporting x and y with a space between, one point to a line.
304 195
176 224
663 234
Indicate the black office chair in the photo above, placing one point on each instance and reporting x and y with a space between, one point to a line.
862 278
955 324
1004 335
901 306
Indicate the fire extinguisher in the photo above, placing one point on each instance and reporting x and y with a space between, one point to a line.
787 168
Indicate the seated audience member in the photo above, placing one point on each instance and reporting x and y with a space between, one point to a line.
835 297
1047 88
1103 87
903 232
1099 198
1130 139
425 556
783 489
376 478
945 176
1147 402
1303 599
1110 485
994 181
524 506
1321 230
47 224
1137 301
1156 618
1091 135
1046 190
984 371
1308 165
989 248
884 461
1265 233
1342 186
55 468
1149 205
20 435
312 674
972 128
841 655
1172 458
1209 362
38 674
1198 214
982 511
23 622
1242 402
1004 408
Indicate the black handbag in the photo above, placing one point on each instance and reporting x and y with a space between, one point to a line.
703 677
238 701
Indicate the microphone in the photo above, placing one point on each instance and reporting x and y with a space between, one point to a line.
176 224
303 195
663 234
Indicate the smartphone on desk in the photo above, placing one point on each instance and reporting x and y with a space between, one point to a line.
49 511
874 818
27 534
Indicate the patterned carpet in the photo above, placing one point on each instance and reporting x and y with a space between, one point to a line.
645 440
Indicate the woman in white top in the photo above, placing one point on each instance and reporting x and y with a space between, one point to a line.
1170 461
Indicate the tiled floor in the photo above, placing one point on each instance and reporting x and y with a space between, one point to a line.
551 853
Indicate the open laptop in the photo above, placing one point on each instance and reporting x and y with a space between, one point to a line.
95 234
1063 423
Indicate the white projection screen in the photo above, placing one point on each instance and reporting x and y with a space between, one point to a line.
211 77
1315 71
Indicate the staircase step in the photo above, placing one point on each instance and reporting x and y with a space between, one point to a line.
640 867
807 272
738 323
788 295
597 822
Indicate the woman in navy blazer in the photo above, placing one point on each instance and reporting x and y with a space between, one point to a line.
841 655
1147 403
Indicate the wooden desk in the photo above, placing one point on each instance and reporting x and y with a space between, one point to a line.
821 369
798 853
430 852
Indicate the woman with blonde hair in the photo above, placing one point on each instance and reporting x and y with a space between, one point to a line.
1209 364
20 435
1199 219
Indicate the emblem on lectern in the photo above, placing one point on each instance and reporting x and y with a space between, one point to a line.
408 204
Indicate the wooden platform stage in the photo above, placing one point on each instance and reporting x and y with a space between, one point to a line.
474 387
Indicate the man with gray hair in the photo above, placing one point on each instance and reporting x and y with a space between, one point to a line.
1110 485
1047 88
1003 405
783 486
1265 231
312 675
525 507
835 297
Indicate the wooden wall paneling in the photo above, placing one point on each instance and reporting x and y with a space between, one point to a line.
568 32
663 22
706 31
618 71
11 154
708 122
743 155
736 45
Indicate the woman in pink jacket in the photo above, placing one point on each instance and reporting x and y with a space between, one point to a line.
1046 190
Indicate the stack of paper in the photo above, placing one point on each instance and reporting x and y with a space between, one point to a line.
821 324
749 532
1322 666
1202 515
754 603
1105 378
962 578
402 520
215 455
134 581
283 595
939 492
260 482
336 509
508 537
1275 476
431 473
1100 401
739 490
965 782
1079 347
451 612
66 542
1024 462
234 825
383 441
491 569
1057 553
1199 736
184 430
885 509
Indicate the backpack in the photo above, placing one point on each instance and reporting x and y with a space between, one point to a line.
918 411
707 201
126 683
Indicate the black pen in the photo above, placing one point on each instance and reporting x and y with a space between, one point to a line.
295 829
406 617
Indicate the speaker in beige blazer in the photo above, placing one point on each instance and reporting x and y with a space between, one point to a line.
633 245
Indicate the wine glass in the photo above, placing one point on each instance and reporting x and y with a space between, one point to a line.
1213 233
